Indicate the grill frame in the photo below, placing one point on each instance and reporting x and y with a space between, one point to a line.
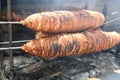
1 54
10 42
10 39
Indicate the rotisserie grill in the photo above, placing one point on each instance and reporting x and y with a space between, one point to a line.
58 39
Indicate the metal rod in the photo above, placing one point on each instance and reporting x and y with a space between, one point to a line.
1 52
86 4
0 10
10 48
15 22
15 41
9 22
10 39
112 20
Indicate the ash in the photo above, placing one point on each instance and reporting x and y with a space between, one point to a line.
79 67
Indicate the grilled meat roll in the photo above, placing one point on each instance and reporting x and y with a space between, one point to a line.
64 21
72 44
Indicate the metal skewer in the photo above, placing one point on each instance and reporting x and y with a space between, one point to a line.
9 22
112 20
15 22
8 48
20 41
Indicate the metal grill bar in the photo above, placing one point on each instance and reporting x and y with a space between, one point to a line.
1 53
86 4
0 10
10 39
15 41
12 22
4 22
10 48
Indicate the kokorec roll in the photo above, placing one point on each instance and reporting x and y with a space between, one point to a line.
64 21
72 44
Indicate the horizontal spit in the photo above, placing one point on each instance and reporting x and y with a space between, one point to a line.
8 48
20 41
9 22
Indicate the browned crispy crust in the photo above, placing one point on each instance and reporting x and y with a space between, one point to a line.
64 21
71 44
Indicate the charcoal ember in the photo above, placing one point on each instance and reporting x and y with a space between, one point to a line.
104 62
118 58
82 76
60 68
118 48
70 66
64 68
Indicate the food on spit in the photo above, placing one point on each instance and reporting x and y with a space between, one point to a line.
64 21
72 44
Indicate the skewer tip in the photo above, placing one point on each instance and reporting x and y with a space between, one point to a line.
22 22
